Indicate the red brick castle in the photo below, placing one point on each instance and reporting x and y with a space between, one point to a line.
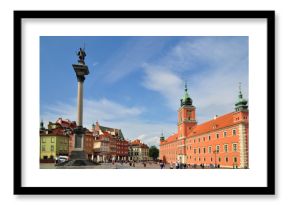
222 141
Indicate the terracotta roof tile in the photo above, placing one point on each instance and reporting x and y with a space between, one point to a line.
219 122
170 138
136 142
209 126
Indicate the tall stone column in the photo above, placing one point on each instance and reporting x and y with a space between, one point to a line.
79 132
80 102
81 69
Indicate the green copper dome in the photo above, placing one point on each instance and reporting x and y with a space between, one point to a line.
241 103
162 138
186 100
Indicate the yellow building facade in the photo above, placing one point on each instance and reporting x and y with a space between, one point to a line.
52 145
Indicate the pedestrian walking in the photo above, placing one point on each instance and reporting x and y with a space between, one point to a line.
161 165
176 165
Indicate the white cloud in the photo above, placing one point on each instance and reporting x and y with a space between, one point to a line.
165 82
108 110
102 110
211 66
110 114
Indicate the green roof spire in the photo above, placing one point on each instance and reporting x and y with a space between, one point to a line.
241 104
162 136
240 91
186 100
185 91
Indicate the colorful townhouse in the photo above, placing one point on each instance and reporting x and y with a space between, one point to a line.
109 144
138 151
53 142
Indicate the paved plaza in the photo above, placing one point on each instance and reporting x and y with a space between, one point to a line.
105 166
111 166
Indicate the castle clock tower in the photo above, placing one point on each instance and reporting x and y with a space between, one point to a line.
186 115
186 122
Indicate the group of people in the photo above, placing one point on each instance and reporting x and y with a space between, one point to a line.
178 165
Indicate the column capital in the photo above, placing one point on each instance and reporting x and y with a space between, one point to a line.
81 78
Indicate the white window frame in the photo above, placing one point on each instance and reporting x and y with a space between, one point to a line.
217 148
226 146
209 149
236 147
234 130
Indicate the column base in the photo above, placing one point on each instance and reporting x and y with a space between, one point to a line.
77 159
80 155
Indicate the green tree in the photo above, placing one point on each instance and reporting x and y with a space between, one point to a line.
153 152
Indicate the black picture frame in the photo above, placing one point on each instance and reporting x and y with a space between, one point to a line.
268 190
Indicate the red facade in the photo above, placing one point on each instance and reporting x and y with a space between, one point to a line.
222 141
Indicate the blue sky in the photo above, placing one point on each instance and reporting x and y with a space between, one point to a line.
135 83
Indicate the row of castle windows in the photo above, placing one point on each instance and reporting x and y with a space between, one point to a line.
217 149
235 159
217 136
209 149
234 133
219 159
